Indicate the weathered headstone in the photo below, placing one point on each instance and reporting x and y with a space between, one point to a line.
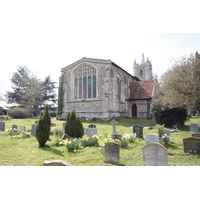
36 121
55 163
21 129
196 135
191 145
53 124
33 129
118 137
63 126
66 136
138 130
167 132
154 154
14 126
90 131
112 153
92 126
2 126
113 122
149 138
194 128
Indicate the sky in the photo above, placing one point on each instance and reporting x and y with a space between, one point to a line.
46 36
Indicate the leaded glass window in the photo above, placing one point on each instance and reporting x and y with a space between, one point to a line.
85 82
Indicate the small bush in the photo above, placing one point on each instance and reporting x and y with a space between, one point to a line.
73 145
12 132
18 113
160 129
89 141
125 142
58 132
57 142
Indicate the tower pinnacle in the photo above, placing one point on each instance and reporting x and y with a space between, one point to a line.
142 61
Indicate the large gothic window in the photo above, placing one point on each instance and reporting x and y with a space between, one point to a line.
85 82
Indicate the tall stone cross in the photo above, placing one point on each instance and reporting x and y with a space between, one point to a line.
113 122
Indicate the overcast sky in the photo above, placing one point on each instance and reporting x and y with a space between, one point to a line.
48 35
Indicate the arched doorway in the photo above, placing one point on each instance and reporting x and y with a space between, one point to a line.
134 110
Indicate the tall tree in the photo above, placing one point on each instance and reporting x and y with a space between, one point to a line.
30 92
180 85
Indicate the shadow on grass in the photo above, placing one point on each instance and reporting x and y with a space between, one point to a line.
173 145
50 149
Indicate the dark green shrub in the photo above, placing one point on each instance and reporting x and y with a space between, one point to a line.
67 123
163 114
43 127
80 130
73 125
53 114
18 113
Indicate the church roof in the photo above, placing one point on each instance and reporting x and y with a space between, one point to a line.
141 90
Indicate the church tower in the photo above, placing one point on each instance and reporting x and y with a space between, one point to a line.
144 70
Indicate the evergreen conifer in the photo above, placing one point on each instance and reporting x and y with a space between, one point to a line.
43 127
67 124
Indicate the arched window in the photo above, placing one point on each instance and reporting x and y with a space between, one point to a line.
141 73
85 82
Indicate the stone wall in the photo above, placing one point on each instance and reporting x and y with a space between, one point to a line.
107 103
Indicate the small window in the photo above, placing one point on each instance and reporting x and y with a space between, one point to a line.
141 73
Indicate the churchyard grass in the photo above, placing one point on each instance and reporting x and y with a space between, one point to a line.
26 152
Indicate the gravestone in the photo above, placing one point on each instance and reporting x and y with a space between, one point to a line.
14 126
150 138
55 163
2 126
90 131
118 137
21 129
138 130
92 126
167 132
36 121
53 124
194 128
66 136
63 126
195 135
154 154
191 145
112 153
33 129
113 122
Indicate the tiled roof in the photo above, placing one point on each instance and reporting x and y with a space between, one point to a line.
141 90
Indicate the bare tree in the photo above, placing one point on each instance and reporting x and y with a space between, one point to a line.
180 85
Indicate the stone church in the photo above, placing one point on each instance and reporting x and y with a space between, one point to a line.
100 89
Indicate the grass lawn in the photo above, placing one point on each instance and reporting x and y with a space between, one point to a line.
25 152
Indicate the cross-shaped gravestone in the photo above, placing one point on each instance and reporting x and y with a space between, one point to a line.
113 122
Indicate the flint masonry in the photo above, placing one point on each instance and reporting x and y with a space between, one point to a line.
100 89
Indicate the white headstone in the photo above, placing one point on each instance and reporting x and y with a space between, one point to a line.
154 154
21 129
194 128
90 131
149 138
